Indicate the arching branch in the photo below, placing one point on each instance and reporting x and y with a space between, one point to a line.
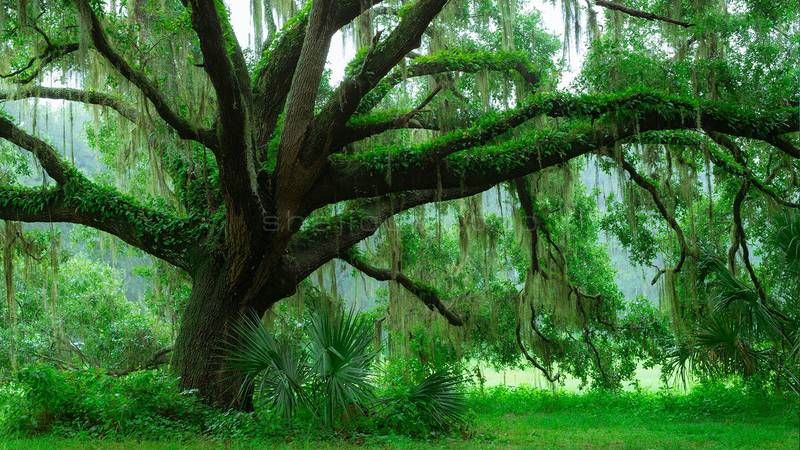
51 53
77 200
453 61
183 127
428 295
323 240
46 155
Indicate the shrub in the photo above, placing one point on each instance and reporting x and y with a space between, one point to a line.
145 404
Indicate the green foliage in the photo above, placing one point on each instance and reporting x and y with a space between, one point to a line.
146 405
333 375
330 376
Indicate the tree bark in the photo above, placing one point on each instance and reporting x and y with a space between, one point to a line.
198 356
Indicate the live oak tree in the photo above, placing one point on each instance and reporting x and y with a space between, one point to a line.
254 146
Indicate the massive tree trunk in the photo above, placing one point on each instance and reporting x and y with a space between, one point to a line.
198 355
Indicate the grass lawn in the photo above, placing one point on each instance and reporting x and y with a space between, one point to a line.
544 426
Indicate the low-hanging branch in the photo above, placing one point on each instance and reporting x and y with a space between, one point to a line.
428 295
647 185
741 237
552 378
641 14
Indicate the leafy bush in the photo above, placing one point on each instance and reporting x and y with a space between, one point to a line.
145 405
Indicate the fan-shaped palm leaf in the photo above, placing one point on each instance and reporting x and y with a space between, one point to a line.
281 366
439 399
341 349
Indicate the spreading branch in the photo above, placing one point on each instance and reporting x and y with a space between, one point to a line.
469 161
78 200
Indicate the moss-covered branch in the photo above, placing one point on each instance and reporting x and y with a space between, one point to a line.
78 200
464 158
161 234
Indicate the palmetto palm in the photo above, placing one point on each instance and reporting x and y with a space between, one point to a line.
330 375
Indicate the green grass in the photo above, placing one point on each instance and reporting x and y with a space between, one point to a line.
534 419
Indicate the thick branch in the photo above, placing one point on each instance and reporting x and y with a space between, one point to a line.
785 145
326 239
278 64
426 294
641 14
301 100
79 201
183 127
386 170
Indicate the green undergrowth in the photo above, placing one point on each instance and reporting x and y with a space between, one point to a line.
46 408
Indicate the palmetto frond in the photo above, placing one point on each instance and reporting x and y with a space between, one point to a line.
280 365
439 399
342 354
